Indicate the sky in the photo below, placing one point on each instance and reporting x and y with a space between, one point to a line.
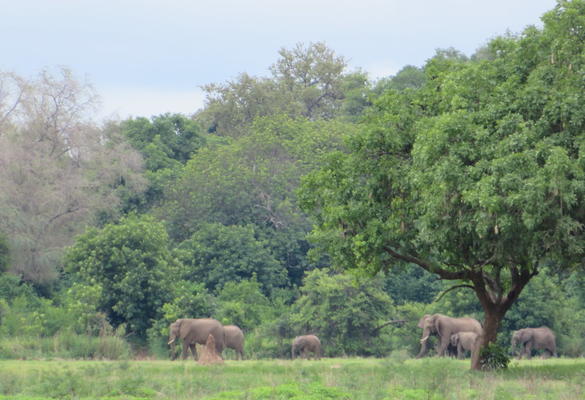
148 57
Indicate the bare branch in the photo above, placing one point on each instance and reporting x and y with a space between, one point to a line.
395 321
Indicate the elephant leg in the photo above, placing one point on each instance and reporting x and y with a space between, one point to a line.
193 347
460 351
423 349
185 352
443 345
528 350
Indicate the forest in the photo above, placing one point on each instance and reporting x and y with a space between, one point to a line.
310 200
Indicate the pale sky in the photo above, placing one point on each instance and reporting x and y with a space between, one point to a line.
147 57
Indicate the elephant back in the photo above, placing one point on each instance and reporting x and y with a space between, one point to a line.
197 330
233 335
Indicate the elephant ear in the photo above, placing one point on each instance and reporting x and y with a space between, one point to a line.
421 323
435 322
177 326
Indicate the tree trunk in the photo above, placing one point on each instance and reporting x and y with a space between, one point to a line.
492 321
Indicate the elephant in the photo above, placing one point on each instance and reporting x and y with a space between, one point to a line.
444 326
192 331
534 338
304 345
234 339
464 342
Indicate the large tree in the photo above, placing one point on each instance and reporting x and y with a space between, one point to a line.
57 168
307 81
130 262
252 180
477 177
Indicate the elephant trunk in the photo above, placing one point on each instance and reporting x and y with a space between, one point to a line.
423 343
514 345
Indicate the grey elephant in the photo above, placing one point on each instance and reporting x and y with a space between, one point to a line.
464 342
234 339
195 331
304 345
443 327
534 339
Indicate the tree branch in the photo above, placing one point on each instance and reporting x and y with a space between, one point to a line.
395 321
443 273
453 288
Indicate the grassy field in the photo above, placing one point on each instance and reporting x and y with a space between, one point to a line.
392 378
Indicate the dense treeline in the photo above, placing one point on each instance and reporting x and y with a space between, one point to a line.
116 230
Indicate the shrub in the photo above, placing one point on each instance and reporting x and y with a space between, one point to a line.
493 357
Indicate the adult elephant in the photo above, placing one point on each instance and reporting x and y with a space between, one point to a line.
305 344
192 331
234 339
443 327
464 342
534 338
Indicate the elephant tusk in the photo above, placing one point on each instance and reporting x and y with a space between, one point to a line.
424 339
171 342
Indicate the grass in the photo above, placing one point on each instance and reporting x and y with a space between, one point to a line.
354 378
65 345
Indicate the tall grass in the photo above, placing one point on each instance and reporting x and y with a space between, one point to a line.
335 379
64 345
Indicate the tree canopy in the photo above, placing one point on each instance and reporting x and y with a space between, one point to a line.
131 264
476 177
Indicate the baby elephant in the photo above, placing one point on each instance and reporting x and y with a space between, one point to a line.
305 344
234 339
464 342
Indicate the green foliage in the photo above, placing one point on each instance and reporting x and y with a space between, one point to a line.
307 81
30 315
12 286
243 304
344 311
166 143
165 140
411 284
477 176
251 182
493 357
132 264
409 77
218 254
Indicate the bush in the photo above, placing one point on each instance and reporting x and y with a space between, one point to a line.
345 312
493 357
